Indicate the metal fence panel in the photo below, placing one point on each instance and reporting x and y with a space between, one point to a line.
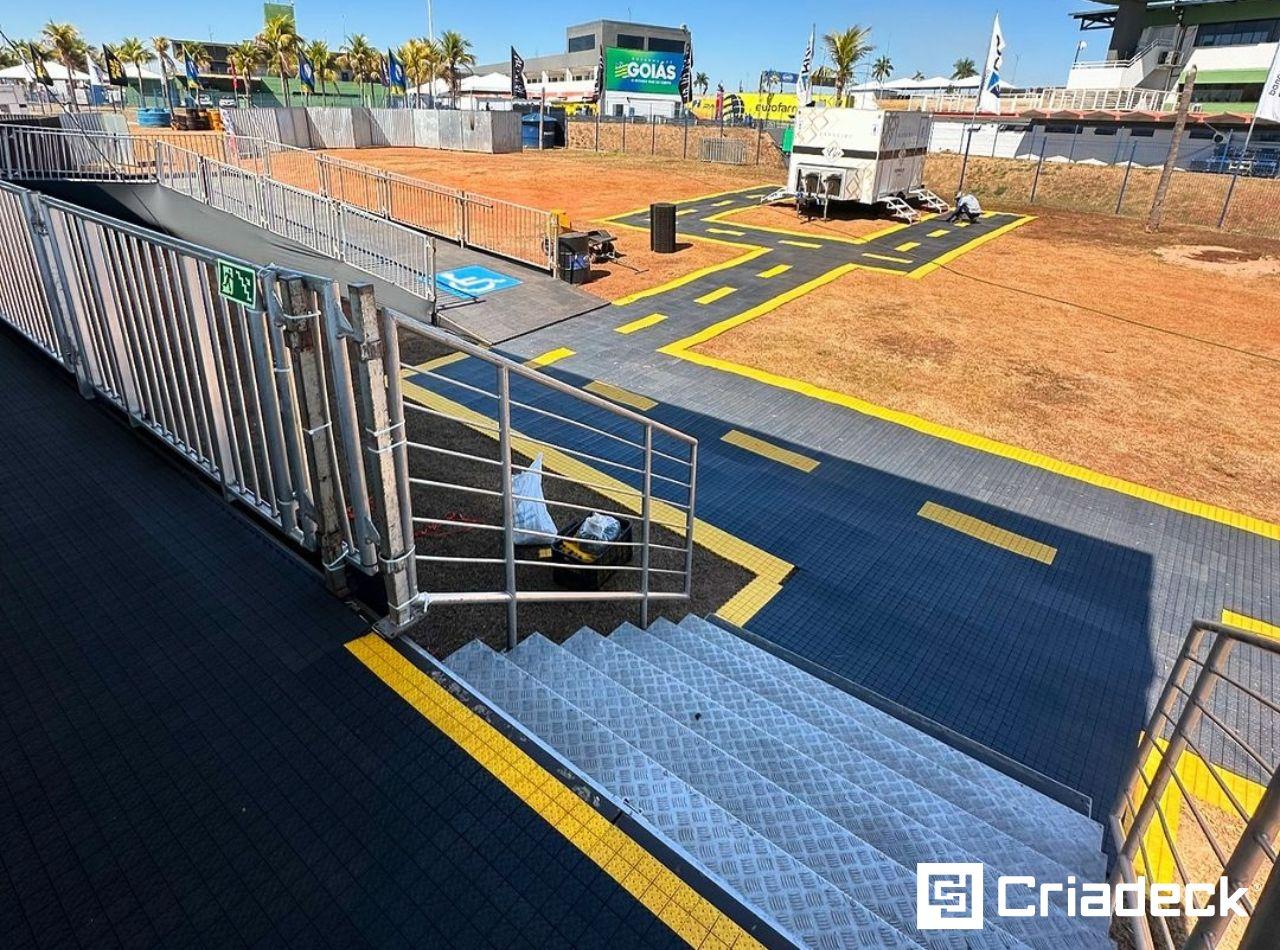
24 304
391 127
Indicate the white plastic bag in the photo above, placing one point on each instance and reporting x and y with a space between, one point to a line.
597 528
533 523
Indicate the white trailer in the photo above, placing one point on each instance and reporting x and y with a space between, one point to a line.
869 156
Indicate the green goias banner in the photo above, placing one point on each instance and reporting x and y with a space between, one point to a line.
638 70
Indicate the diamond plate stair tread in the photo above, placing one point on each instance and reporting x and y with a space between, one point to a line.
879 824
1021 813
861 871
799 740
764 875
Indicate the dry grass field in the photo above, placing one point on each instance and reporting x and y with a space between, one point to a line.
1153 357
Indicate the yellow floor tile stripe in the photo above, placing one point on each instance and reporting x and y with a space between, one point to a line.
774 271
769 570
987 532
889 257
689 915
807 244
939 233
721 204
908 246
641 324
928 268
549 357
442 361
620 395
718 294
693 275
727 231
770 451
1251 624
680 214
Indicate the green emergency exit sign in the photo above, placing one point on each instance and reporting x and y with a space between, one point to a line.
238 284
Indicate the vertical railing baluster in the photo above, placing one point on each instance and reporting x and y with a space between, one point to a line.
508 503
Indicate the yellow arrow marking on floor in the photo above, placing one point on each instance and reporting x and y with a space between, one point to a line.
641 324
987 532
618 394
549 357
770 451
774 271
715 295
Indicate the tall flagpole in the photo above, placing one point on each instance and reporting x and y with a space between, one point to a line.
1253 123
977 104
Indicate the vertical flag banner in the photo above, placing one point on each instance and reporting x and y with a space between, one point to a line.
39 71
518 90
804 87
600 80
115 69
95 75
989 95
686 74
193 75
395 73
1269 104
306 73
720 101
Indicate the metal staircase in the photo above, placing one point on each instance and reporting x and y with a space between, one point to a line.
811 805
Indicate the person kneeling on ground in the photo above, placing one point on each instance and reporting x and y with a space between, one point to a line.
966 207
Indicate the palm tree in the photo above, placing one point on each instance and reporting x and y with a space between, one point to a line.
131 52
703 82
881 70
359 58
243 58
280 41
317 51
69 49
455 50
963 69
8 58
846 48
163 47
422 63
917 75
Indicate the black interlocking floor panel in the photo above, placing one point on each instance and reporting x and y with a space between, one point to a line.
190 757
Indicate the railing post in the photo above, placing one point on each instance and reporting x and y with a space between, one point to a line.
61 301
645 514
508 503
684 148
301 336
690 519
66 338
381 418
1243 864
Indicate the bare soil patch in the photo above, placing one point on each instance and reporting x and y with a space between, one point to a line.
1079 336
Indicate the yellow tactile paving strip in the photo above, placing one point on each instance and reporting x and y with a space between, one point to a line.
718 294
770 451
641 324
1251 624
987 532
689 915
618 394
549 357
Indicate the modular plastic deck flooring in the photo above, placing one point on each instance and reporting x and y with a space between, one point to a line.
191 757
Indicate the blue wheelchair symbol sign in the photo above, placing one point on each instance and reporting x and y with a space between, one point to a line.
474 281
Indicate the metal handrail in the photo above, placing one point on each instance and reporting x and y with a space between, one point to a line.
639 500
1185 707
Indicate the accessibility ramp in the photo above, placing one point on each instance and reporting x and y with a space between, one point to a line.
813 806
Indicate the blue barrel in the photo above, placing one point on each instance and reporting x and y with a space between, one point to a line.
154 118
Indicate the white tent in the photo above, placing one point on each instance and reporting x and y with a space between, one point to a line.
492 83
935 84
58 73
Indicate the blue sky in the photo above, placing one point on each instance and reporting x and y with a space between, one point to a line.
733 41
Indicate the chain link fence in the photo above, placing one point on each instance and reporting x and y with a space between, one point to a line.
1211 187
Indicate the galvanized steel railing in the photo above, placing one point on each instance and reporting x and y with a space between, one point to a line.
399 255
597 457
1202 800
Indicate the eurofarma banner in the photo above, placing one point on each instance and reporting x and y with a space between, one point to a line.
781 105
637 70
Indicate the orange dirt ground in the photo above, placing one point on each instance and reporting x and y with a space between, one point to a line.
1034 339
589 186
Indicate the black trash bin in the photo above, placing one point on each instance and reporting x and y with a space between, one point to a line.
662 228
573 257
576 568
